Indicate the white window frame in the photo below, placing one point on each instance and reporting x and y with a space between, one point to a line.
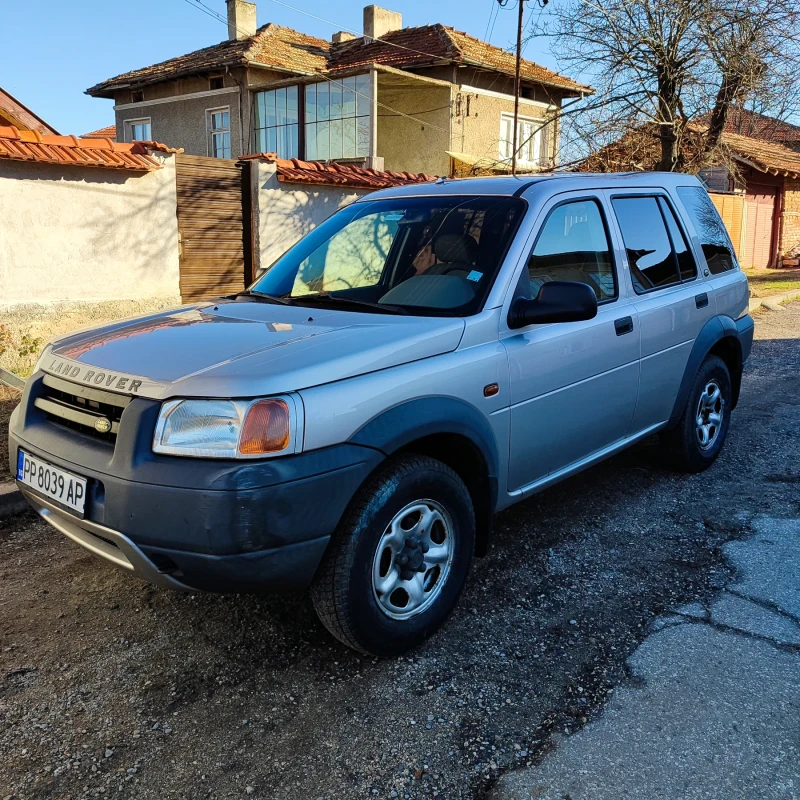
210 130
506 153
128 128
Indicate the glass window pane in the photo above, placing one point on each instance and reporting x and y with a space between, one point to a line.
261 141
311 103
362 135
336 100
336 139
261 110
363 86
272 140
293 141
291 104
226 120
323 101
573 246
323 141
311 141
710 229
270 102
349 137
280 106
349 97
686 264
648 247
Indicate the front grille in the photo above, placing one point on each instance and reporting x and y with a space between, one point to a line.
79 407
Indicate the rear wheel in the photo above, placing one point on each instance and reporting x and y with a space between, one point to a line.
696 441
398 562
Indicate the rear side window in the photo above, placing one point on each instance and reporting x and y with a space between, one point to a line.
710 229
573 246
656 247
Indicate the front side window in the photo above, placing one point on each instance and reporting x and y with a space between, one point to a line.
529 139
573 246
425 255
137 130
653 262
710 229
218 122
337 118
276 127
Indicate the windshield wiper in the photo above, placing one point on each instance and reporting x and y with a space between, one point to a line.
324 299
266 298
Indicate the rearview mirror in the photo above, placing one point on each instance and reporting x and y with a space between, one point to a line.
557 301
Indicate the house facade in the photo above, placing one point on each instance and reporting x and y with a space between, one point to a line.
427 99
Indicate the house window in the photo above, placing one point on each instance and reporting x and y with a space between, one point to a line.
137 96
216 82
337 118
218 125
137 130
529 139
276 128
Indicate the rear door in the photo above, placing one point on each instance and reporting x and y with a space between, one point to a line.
573 384
672 301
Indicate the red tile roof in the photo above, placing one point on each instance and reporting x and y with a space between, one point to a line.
289 50
12 112
296 171
109 132
19 145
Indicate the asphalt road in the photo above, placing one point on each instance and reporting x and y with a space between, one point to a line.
109 686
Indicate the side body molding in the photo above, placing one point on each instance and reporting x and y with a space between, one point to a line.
738 335
408 422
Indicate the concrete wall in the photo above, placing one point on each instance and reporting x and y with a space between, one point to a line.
285 212
80 234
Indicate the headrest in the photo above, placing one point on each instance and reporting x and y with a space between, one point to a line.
455 248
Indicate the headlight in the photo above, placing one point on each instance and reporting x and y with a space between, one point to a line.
228 428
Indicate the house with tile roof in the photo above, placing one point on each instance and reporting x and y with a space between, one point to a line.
426 99
16 114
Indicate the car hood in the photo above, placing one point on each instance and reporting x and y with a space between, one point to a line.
233 348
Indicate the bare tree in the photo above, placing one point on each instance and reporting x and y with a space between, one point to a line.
674 69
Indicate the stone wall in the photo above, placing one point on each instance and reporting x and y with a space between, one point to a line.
790 219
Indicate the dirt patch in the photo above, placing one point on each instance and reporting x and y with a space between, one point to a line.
106 682
8 402
768 282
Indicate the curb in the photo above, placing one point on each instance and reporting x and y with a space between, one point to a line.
11 500
772 302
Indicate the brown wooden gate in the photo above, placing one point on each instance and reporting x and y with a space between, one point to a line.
760 221
212 260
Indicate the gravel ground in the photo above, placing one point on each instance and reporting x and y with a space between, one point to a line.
110 686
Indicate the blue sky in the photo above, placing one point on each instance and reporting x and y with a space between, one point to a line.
55 49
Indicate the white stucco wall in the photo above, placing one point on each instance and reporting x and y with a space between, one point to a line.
285 212
86 234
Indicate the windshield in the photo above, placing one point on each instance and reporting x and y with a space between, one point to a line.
421 255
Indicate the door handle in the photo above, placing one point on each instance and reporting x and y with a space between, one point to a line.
623 325
701 300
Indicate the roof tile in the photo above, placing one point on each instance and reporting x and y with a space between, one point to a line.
331 174
109 132
16 145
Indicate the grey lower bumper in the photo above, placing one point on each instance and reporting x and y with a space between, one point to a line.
103 542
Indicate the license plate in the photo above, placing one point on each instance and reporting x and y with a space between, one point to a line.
65 488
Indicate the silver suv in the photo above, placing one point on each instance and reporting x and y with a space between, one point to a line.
426 357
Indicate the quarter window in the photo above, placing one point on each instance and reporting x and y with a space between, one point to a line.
277 122
710 229
137 130
218 122
573 246
648 231
337 118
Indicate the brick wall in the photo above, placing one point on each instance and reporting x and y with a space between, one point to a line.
790 218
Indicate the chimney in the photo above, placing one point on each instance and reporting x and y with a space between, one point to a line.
342 36
380 21
241 19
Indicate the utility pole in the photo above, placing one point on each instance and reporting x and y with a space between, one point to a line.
521 5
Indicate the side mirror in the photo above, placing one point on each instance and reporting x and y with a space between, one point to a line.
557 301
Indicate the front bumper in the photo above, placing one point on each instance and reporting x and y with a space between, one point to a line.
194 524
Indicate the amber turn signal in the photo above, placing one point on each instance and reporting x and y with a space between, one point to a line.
266 428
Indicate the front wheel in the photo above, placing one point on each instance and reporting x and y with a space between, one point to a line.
398 562
696 441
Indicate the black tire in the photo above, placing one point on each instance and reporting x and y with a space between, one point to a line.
342 591
681 446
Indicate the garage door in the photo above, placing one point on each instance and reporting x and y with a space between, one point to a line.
760 215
